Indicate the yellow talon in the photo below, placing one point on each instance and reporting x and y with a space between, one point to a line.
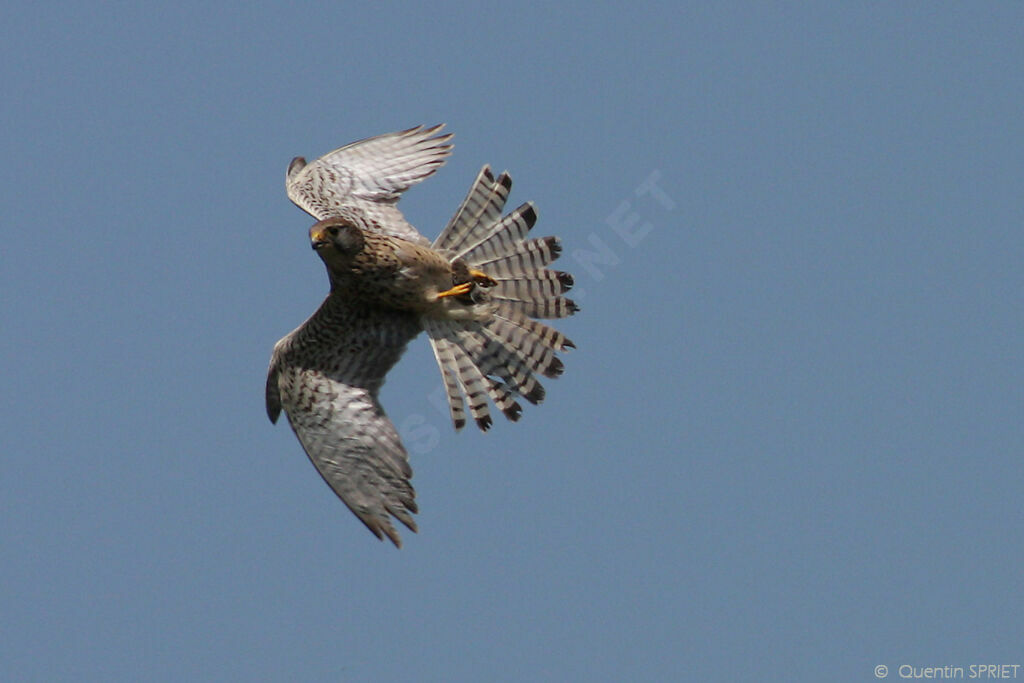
482 278
457 290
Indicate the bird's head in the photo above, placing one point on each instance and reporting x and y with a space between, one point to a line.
336 238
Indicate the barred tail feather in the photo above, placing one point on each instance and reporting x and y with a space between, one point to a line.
505 400
475 387
536 332
464 369
498 352
559 307
476 214
502 237
526 256
532 285
496 360
449 375
539 356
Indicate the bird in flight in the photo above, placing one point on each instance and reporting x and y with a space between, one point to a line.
477 291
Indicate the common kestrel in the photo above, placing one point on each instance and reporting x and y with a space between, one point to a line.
476 291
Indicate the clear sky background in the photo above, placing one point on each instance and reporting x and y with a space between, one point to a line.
788 446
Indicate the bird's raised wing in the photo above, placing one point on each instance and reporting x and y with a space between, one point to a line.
326 376
371 174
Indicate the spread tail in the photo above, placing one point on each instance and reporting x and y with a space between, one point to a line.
496 355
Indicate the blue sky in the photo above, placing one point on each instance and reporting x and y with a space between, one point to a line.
788 446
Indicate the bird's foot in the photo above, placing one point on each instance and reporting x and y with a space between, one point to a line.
481 278
457 290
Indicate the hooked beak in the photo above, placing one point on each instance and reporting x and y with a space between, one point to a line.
318 239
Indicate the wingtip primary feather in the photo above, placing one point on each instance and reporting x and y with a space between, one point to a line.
430 134
393 535
380 525
273 395
296 165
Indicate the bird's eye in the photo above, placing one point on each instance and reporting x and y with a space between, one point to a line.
332 231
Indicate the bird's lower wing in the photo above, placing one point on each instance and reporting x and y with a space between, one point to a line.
356 449
326 375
